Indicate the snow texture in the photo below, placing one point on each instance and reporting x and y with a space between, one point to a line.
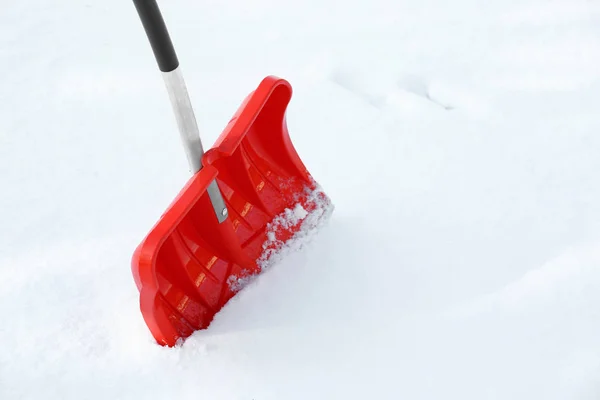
310 222
458 141
276 250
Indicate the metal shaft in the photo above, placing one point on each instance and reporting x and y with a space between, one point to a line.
186 120
190 136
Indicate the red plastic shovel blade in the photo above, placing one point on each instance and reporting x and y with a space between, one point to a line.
190 265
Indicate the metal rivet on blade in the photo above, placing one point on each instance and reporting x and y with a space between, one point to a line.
224 212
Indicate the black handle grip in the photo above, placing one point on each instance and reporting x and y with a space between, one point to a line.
157 33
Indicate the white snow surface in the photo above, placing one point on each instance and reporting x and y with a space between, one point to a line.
458 141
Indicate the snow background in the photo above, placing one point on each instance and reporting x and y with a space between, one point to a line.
457 140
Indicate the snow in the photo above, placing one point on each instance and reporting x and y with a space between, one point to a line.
457 140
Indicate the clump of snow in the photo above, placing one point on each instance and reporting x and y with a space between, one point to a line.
237 283
288 218
311 221
274 249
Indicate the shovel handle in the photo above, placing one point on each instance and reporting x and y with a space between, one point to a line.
157 33
167 61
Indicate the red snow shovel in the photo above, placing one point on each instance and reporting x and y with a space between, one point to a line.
249 197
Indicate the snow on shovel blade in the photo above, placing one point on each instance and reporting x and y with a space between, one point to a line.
190 265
